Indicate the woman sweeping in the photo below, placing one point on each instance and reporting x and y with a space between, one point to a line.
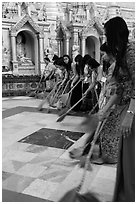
90 71
76 94
122 118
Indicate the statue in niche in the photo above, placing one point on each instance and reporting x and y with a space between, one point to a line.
42 16
21 51
75 51
33 11
24 8
5 60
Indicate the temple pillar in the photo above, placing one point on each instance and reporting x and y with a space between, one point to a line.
67 45
75 37
83 45
59 46
70 15
19 9
88 14
41 49
14 54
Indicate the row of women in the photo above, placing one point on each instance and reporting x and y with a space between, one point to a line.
79 78
114 93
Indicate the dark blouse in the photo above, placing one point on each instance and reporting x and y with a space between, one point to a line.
126 81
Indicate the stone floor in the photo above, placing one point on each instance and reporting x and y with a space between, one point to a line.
36 166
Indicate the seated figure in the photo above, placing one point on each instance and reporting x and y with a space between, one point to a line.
21 52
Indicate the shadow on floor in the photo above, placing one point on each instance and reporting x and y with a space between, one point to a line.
10 196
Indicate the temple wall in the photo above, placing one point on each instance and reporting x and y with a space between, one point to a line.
6 49
49 17
45 14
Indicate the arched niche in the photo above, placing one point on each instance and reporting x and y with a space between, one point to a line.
63 39
33 44
93 47
26 46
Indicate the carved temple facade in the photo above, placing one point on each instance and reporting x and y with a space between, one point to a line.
32 30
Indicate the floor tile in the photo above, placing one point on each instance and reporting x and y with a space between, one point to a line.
102 186
16 183
105 197
45 161
51 152
34 148
54 174
70 182
18 146
19 156
5 175
12 166
107 172
41 189
31 170
73 180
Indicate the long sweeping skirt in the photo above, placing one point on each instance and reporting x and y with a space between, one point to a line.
125 178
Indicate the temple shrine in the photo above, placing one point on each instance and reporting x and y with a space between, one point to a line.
31 30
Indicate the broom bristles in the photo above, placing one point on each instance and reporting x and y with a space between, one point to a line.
74 196
63 111
32 94
82 163
61 118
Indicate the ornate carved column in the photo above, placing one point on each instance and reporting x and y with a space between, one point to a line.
14 54
70 15
41 49
67 45
59 46
88 12
19 9
75 37
83 45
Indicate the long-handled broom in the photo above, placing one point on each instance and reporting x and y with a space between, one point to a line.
34 93
47 97
74 194
64 99
89 125
64 115
53 100
95 104
67 84
83 159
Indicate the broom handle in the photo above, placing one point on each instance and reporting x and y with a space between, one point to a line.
53 89
96 103
44 100
98 130
66 86
39 84
70 89
41 79
74 86
74 105
56 94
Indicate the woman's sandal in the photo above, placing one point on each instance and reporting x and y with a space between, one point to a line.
98 161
